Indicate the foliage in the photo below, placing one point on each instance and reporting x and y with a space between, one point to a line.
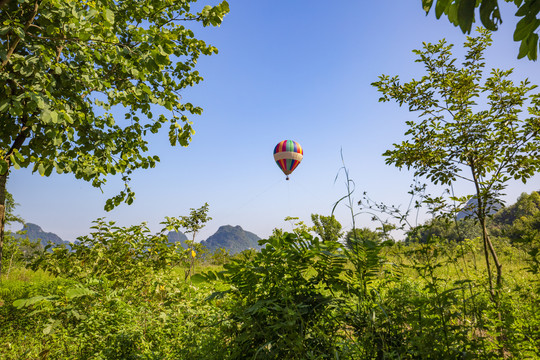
10 205
283 306
453 139
444 228
361 235
510 220
192 224
298 226
520 223
66 64
327 227
18 252
298 298
220 256
462 13
117 295
114 254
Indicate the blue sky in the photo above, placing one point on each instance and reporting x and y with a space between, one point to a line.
297 70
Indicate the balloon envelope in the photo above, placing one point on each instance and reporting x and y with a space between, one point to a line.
288 155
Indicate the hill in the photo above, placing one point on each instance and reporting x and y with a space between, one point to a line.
175 237
35 233
233 238
471 206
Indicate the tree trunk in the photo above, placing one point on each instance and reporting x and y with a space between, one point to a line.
3 179
481 210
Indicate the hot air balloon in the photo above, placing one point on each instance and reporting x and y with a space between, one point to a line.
288 155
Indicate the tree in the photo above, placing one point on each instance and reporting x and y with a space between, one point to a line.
455 139
449 230
526 205
66 64
514 221
462 13
362 235
193 224
10 205
13 246
327 227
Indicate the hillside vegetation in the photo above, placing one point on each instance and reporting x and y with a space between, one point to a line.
122 293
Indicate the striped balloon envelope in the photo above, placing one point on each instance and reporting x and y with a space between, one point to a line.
288 155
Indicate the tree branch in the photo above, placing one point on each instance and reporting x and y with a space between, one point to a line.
16 42
19 140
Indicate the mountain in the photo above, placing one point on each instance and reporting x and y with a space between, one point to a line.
232 238
35 232
175 237
471 207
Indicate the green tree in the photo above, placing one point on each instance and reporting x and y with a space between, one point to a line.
362 235
462 13
10 205
121 255
526 206
455 139
327 227
13 248
450 230
520 223
65 64
192 224
298 226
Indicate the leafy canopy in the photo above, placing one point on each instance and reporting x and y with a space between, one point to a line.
462 13
327 227
459 136
66 65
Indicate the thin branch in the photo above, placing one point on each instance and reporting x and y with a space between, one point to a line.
19 140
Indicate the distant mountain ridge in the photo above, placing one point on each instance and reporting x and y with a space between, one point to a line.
175 237
35 233
471 206
232 238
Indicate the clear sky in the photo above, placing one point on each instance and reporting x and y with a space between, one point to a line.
297 70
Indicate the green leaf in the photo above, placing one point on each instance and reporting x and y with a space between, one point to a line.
4 104
441 7
532 44
41 169
15 161
49 117
217 295
50 326
198 279
525 27
109 15
4 166
19 304
67 118
466 15
19 32
453 14
426 5
523 49
489 14
78 292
